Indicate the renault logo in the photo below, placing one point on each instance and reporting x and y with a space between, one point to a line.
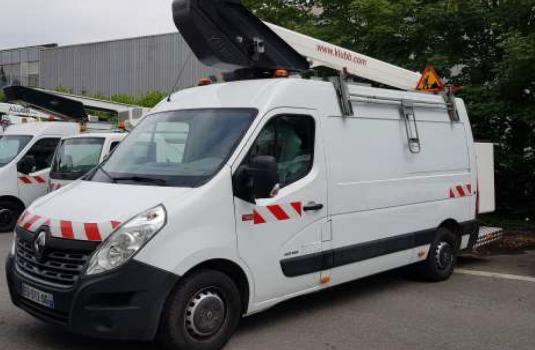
39 245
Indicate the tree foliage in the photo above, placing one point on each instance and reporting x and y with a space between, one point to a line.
486 46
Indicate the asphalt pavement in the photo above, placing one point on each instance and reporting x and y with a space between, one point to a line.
489 304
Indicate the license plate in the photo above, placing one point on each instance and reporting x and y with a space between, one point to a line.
37 296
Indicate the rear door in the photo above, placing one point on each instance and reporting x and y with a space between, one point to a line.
34 169
280 238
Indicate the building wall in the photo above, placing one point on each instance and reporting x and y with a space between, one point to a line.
130 66
21 66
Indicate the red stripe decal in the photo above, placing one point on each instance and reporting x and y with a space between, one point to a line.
21 218
247 217
25 179
298 206
258 219
39 179
92 232
115 224
460 189
278 212
452 195
66 229
469 187
30 222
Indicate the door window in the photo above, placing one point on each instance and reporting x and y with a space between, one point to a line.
290 140
39 156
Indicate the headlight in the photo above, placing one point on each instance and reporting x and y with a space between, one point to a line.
14 244
124 243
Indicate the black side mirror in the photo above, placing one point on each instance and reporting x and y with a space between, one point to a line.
257 179
265 176
27 164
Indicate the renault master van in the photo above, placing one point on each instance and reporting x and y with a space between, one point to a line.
230 198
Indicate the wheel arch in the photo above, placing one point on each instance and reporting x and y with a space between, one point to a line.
234 271
14 199
454 226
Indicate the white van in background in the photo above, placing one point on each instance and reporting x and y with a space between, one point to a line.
26 152
77 155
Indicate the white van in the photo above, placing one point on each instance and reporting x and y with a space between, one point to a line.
188 204
26 151
77 155
230 198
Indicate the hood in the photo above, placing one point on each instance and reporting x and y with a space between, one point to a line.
93 210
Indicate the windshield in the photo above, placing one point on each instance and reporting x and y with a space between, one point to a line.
11 146
179 148
75 157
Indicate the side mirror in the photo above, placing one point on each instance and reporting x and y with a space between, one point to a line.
265 176
27 164
257 179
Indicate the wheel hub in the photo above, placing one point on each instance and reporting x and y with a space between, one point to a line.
444 256
205 314
6 217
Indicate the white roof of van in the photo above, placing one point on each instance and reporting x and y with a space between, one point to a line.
105 135
44 128
267 94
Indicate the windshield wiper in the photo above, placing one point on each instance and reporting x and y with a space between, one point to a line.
160 182
114 180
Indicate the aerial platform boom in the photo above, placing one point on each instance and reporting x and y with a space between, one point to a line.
226 35
321 53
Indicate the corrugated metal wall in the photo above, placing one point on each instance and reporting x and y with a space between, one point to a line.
130 66
20 66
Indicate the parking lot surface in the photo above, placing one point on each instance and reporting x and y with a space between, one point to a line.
488 304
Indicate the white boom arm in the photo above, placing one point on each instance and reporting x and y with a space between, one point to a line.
321 53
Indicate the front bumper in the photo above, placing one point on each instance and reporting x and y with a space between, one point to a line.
125 304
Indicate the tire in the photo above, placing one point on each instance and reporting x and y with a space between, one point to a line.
441 259
202 312
9 214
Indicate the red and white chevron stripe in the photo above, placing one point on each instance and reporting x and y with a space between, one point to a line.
31 180
67 229
460 191
275 213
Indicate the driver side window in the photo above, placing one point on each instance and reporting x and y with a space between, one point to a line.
290 140
39 157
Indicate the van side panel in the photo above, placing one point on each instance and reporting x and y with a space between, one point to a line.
380 193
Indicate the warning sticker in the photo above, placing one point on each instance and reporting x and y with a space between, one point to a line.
430 81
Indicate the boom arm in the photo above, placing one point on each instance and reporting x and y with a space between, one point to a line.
321 53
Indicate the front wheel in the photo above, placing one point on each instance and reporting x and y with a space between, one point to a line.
442 257
9 213
202 312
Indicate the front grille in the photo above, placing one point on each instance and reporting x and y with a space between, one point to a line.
57 267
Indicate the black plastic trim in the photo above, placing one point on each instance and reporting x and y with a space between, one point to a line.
125 304
359 252
470 228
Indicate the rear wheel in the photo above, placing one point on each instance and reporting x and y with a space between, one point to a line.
202 312
9 213
442 257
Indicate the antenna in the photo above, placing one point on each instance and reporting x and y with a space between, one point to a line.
178 77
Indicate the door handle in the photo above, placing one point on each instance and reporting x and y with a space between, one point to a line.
313 207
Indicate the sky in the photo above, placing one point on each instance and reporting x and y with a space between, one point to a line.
64 22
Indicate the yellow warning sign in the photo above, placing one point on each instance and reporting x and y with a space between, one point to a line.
430 81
